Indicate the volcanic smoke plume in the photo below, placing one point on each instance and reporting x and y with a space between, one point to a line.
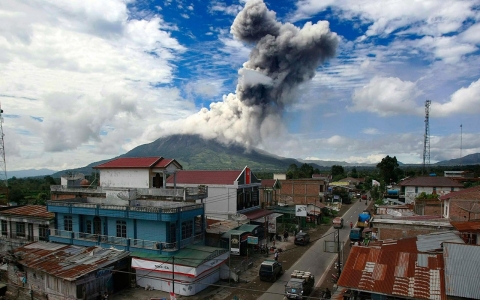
283 57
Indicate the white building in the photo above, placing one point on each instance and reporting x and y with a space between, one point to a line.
413 187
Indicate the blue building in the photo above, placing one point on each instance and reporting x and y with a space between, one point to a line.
153 222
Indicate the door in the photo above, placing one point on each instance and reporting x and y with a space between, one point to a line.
97 225
30 231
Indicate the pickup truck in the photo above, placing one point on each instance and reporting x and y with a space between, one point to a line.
300 285
338 223
270 270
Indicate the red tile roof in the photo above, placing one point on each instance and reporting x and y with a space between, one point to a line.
37 211
431 181
137 162
472 193
268 183
205 177
395 268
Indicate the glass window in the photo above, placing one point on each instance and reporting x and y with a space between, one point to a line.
434 190
4 227
121 229
416 190
187 229
20 229
67 223
89 226
452 189
43 232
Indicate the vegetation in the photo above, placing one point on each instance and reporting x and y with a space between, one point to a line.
305 171
32 190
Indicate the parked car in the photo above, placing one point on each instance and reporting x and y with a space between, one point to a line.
302 238
364 197
270 270
338 223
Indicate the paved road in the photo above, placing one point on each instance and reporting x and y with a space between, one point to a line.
315 260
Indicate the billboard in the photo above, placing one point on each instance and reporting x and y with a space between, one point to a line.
235 244
300 210
272 223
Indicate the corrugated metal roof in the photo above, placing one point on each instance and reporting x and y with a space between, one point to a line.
205 177
433 241
395 269
471 226
462 265
68 262
37 211
431 181
130 162
472 193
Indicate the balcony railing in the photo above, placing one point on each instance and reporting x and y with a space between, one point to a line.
188 193
126 242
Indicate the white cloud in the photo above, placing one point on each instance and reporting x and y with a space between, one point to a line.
371 131
464 101
386 96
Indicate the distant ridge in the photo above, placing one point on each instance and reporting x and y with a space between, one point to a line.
195 153
30 173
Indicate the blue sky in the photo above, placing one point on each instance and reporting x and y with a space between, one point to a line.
82 81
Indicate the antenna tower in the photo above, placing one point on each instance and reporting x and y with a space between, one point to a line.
3 163
461 133
426 138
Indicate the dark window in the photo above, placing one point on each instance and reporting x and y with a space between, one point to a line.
20 229
172 236
4 227
416 190
452 189
42 232
198 224
89 226
67 223
434 190
187 229
97 225
121 229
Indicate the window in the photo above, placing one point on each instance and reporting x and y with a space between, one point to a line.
20 229
42 232
198 224
452 189
121 229
416 190
434 190
67 223
187 229
4 227
89 226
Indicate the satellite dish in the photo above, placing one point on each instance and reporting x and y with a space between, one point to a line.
238 217
131 195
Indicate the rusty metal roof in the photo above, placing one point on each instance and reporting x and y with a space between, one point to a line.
395 268
470 226
37 211
472 193
68 262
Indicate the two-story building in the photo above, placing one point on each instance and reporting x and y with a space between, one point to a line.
412 187
462 205
24 224
136 212
230 192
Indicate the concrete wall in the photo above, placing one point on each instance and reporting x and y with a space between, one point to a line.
410 193
126 178
404 230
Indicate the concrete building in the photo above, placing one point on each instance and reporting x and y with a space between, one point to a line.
412 187
391 227
463 205
301 191
133 210
229 192
24 224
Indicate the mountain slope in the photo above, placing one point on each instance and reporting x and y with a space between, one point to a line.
471 159
196 153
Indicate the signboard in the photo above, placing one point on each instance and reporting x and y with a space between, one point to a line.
235 244
300 210
252 240
272 223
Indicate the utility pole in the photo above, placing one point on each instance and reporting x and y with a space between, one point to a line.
173 276
338 248
426 138
461 136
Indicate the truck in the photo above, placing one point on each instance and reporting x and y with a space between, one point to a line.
300 285
338 223
364 219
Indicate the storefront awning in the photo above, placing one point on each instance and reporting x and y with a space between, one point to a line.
258 213
271 216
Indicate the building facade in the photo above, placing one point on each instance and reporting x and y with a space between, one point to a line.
301 191
411 188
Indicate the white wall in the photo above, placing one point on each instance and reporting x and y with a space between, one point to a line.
126 178
410 194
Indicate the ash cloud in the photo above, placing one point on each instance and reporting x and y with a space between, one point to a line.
283 57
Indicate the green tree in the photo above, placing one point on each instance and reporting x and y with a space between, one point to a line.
337 170
292 172
305 171
354 173
388 169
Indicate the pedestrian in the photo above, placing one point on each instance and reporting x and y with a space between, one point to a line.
285 236
276 255
351 225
